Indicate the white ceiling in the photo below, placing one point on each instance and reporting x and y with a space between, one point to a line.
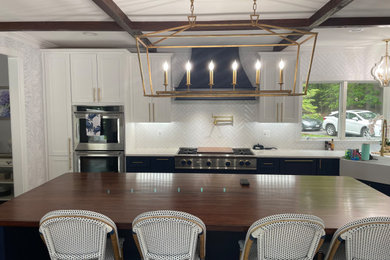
170 10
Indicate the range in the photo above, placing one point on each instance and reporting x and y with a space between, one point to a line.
209 159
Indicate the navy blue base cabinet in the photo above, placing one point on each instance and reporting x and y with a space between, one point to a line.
384 188
298 166
149 164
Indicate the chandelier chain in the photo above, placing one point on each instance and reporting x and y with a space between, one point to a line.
192 7
254 7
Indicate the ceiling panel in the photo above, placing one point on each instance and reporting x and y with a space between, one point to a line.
177 10
352 37
89 40
51 10
366 8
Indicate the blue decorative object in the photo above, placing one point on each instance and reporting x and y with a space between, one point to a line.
93 124
4 104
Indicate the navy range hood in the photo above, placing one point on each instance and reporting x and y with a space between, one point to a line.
223 59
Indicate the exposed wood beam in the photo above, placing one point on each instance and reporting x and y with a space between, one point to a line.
152 26
155 26
59 26
110 8
324 13
356 21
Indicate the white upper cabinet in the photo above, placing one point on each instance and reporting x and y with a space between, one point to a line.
278 109
84 77
98 77
112 77
146 109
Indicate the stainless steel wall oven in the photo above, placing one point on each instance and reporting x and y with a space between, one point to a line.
98 134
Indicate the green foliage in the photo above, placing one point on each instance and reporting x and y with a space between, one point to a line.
323 98
364 96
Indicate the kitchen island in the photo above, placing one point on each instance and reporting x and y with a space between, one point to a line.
375 173
219 200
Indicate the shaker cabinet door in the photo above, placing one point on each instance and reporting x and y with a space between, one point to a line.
146 109
282 109
111 77
83 77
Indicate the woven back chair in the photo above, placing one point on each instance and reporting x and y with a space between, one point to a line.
367 238
79 234
169 235
284 237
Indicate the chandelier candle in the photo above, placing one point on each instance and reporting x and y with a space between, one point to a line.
258 67
188 68
211 68
281 67
165 67
234 67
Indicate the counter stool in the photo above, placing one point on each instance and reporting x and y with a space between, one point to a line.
80 234
283 236
367 238
169 235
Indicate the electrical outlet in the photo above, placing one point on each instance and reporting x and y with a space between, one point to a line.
267 133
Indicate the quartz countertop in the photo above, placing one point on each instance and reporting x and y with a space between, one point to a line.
372 170
282 153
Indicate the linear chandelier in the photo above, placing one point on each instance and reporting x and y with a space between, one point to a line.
381 70
285 37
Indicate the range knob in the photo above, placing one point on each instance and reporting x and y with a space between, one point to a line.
208 163
247 163
227 163
183 162
241 163
189 162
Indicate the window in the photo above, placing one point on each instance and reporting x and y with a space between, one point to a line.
364 110
362 106
322 100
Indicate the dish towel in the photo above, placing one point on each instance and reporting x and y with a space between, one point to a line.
93 124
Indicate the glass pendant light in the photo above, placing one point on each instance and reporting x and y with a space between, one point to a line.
381 70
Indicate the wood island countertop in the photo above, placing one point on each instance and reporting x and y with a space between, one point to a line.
218 199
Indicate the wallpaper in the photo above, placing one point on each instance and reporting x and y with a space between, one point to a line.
33 89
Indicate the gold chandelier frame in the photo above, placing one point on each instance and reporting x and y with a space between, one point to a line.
269 30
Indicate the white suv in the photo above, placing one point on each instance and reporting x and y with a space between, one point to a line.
358 122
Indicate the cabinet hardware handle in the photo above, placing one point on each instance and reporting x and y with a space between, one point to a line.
94 94
320 163
99 94
70 153
277 112
268 163
149 112
137 162
154 118
298 160
281 112
162 159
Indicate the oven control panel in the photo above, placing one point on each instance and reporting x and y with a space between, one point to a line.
215 163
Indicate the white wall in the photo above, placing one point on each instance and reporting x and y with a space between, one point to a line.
33 91
192 123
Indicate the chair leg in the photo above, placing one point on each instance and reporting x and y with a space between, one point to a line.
320 255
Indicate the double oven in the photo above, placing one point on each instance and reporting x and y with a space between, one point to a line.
102 150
